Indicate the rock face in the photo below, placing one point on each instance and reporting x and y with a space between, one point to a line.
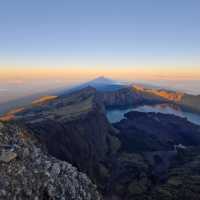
73 128
128 96
188 101
82 142
28 172
133 95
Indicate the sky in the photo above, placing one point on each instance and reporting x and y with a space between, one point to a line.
65 42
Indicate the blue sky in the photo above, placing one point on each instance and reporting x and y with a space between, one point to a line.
92 32
46 44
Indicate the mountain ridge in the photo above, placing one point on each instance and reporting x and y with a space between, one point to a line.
103 84
74 128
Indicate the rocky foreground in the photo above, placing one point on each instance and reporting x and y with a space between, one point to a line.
28 172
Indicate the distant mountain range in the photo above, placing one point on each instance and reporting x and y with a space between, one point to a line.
100 83
134 91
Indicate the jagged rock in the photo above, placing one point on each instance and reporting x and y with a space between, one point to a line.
35 175
7 156
55 169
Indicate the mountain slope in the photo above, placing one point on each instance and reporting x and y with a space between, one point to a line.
121 94
188 101
129 96
73 128
156 132
128 161
136 94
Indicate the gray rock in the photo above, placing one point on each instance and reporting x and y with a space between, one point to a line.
51 191
37 175
26 153
55 169
7 156
2 193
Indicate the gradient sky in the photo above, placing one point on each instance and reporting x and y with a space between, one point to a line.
81 39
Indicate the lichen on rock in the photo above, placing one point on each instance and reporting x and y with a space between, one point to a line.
28 172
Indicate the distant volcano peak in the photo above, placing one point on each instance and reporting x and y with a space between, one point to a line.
102 80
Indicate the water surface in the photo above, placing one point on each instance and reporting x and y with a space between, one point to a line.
115 115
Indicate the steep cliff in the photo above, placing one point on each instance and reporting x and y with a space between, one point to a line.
188 101
73 128
128 96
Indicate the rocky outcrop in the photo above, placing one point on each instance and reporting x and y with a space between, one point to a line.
28 172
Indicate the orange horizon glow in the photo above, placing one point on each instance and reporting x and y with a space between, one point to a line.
84 73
